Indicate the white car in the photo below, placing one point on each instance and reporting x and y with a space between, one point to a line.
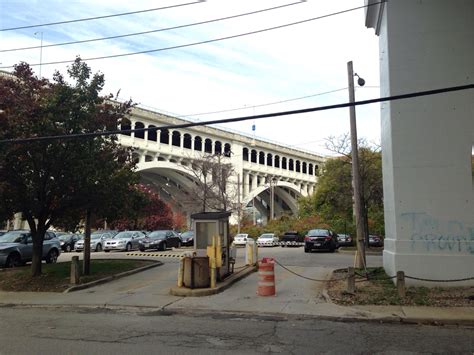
127 240
241 239
267 240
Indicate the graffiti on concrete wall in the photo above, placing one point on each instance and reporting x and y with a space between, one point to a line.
431 234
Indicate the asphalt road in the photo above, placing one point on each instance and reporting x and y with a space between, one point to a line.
296 256
93 331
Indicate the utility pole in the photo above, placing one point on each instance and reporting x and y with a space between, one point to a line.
360 259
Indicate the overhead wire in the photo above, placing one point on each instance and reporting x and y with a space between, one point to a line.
157 30
205 41
244 118
100 17
265 104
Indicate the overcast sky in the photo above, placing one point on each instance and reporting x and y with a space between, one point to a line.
241 76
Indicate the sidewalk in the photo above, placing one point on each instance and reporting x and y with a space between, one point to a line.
295 298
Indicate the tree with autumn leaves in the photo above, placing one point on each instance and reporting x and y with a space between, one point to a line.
151 214
52 180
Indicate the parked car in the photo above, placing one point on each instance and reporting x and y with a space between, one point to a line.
375 241
292 238
240 240
322 239
3 232
160 240
67 241
345 240
126 240
268 240
98 239
187 238
16 248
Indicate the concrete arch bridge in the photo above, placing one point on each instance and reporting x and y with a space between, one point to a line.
267 177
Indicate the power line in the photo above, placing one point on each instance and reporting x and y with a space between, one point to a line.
206 41
244 118
266 104
157 30
100 17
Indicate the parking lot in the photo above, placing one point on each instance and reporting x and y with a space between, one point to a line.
293 256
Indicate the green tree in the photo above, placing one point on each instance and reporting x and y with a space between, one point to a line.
51 180
333 197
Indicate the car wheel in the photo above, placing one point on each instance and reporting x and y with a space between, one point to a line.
141 249
179 245
306 250
98 247
282 245
13 260
163 246
107 251
68 248
128 247
52 257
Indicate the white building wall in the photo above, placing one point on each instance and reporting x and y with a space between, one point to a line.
427 142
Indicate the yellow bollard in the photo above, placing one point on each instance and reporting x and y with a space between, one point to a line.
211 253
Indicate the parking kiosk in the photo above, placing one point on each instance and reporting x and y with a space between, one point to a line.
212 239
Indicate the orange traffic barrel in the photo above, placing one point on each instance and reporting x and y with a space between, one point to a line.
266 277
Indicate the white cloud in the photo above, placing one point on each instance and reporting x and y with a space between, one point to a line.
276 65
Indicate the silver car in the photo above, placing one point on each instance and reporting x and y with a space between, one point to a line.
16 248
126 240
98 239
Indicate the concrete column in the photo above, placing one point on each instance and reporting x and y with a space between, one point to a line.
427 141
254 182
246 183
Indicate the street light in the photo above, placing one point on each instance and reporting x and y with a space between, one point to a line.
272 198
360 261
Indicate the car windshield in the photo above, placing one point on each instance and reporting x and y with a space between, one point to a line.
158 235
318 232
123 235
187 234
266 236
12 237
96 236
64 237
241 235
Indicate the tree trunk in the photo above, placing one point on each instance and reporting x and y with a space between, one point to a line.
37 258
86 265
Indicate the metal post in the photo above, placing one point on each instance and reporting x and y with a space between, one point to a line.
253 209
356 172
239 207
272 202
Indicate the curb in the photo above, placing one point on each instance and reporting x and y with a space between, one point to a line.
201 292
264 316
156 254
111 278
367 252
